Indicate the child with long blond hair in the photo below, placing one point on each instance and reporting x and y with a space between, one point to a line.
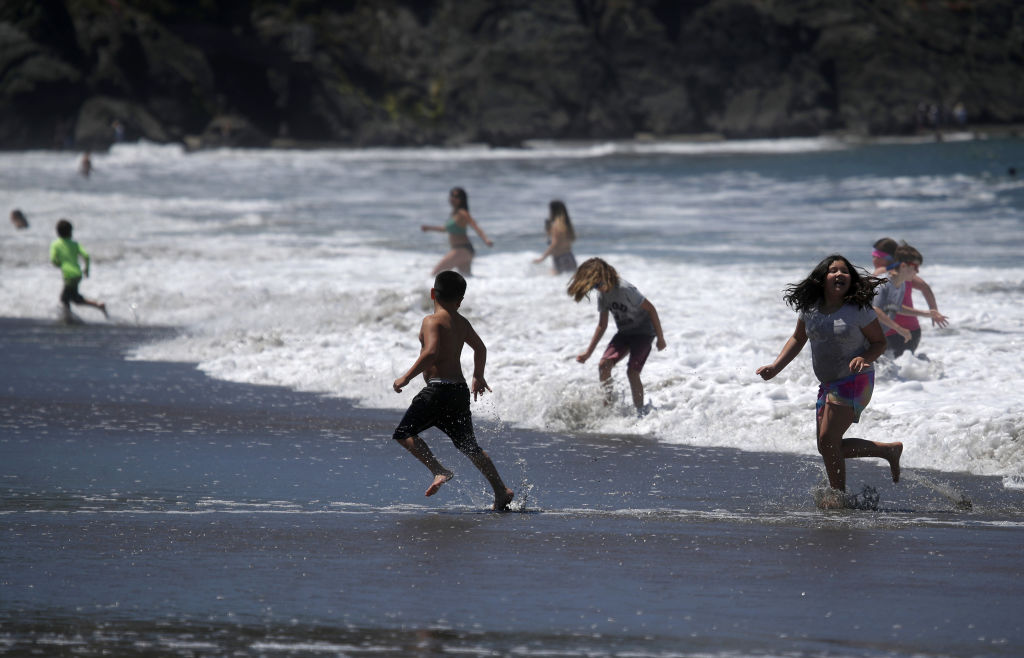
636 321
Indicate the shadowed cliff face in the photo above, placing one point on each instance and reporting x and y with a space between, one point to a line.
83 73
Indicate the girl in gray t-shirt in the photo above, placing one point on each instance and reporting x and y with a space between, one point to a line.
836 315
636 321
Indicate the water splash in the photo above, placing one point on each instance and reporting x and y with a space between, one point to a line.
959 499
827 498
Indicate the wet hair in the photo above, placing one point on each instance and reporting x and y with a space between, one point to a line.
558 211
907 254
807 294
886 245
449 286
461 197
18 218
591 273
64 229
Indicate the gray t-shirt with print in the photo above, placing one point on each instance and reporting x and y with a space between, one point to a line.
836 338
625 305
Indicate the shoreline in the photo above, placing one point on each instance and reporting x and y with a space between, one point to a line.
150 507
194 143
100 365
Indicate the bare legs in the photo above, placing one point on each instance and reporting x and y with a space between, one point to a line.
421 451
502 494
86 302
456 259
636 387
835 450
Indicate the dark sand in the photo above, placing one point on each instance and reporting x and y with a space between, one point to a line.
146 509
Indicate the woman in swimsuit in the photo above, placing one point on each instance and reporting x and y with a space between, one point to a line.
460 256
560 238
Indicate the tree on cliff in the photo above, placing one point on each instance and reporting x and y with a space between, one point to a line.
447 71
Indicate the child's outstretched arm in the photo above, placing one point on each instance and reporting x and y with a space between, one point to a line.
430 337
653 313
789 351
476 227
602 324
889 323
478 385
929 298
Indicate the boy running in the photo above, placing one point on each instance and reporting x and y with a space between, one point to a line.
65 254
444 402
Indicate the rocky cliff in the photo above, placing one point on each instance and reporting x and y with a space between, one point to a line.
82 73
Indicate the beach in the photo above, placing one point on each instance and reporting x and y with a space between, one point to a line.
148 509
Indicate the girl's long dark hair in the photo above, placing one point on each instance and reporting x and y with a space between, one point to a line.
460 196
807 294
556 211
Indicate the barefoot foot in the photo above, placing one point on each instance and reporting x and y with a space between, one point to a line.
501 501
439 479
894 461
103 307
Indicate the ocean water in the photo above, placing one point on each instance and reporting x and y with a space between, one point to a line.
149 510
307 269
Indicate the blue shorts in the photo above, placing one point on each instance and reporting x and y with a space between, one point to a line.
446 407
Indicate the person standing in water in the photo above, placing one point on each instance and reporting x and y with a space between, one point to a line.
65 254
636 321
561 235
18 219
460 256
85 165
884 258
836 315
444 402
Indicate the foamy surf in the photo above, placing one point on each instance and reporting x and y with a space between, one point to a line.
308 270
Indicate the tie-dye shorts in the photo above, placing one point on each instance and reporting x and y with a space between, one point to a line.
853 391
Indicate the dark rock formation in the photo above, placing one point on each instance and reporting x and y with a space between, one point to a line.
84 73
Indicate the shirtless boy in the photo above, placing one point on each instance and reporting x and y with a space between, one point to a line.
444 402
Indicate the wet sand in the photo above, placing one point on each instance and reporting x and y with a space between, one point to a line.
147 509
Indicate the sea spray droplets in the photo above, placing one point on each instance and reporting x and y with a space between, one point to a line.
950 493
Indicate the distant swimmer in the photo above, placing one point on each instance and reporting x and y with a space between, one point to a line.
884 259
561 235
636 321
444 402
85 165
65 254
18 219
836 314
460 256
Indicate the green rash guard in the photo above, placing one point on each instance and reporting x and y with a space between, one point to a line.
64 254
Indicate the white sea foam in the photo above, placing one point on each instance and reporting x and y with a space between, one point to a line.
309 270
